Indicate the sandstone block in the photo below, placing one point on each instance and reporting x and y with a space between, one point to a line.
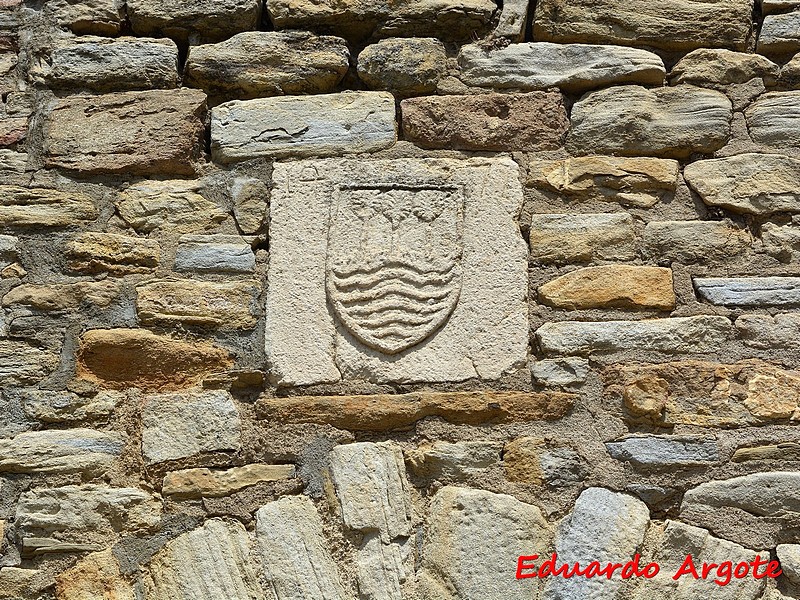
571 67
780 34
123 358
455 263
24 364
774 119
758 184
93 253
206 21
31 207
460 460
531 122
58 407
611 286
703 334
522 460
207 483
267 63
693 241
179 425
560 371
403 65
789 555
61 451
676 25
214 253
95 576
749 291
564 238
717 68
131 133
98 17
61 298
16 583
198 303
321 125
664 450
672 122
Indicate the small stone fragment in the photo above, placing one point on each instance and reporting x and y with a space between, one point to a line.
513 21
443 460
59 451
787 451
214 253
717 68
207 483
560 371
95 576
749 291
31 207
522 460
93 253
690 242
774 119
664 450
189 21
250 201
565 238
403 65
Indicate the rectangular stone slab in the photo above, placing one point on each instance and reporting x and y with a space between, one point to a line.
749 291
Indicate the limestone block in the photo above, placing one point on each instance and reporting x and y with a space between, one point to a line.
749 291
780 34
454 257
774 119
66 297
205 483
31 207
381 569
403 65
214 253
206 20
664 450
565 238
717 68
319 125
61 451
693 241
92 252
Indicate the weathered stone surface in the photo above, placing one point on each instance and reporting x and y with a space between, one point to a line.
640 182
443 460
672 122
503 528
664 450
572 67
100 17
763 494
61 451
765 331
205 483
611 286
717 68
693 241
560 371
444 335
674 541
104 64
403 65
381 570
267 63
790 73
297 563
780 34
789 555
669 25
250 198
703 334
95 576
198 303
179 425
8 72
173 205
59 407
24 364
782 241
603 526
758 184
531 122
786 451
31 207
522 460
450 20
213 561
205 20
564 238
92 252
131 133
774 119
59 298
16 583
82 513
214 253
749 291
123 358
321 125
378 413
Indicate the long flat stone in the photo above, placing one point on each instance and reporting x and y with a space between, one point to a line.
186 21
774 119
95 252
690 242
207 483
665 450
763 494
63 406
319 125
749 291
61 451
569 238
214 253
31 207
571 67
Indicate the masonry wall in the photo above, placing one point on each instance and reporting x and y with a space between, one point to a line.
363 300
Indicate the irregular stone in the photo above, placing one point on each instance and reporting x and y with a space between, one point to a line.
13 129
194 20
780 34
8 72
380 569
131 133
59 407
16 583
371 487
60 298
110 64
639 182
770 332
501 526
267 63
205 483
674 542
604 526
175 206
99 17
763 494
180 425
59 451
12 161
675 25
790 73
24 364
703 334
664 450
379 413
124 358
325 319
789 556
749 291
32 207
443 460
213 561
689 242
560 371
93 253
758 184
781 241
198 303
297 563
513 21
562 467
214 253
718 68
566 238
531 122
403 65
672 122
572 67
522 460
95 576
786 451
250 200
611 286
774 119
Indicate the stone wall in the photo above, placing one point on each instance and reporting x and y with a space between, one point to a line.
365 299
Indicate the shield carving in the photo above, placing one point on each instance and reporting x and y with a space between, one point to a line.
393 269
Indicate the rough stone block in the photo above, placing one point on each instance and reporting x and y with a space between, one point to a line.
513 20
564 238
24 364
768 332
774 119
789 555
62 298
717 68
99 17
560 371
32 207
764 494
693 241
190 21
459 461
95 576
664 451
780 34
214 253
403 65
61 451
782 241
59 407
111 253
